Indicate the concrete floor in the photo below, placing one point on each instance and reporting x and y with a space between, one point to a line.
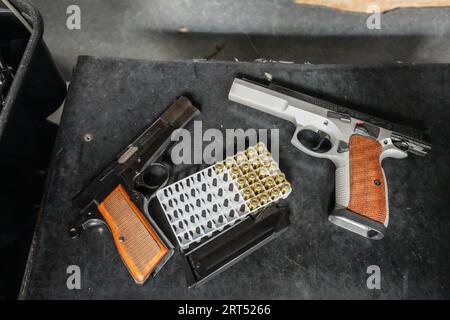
243 30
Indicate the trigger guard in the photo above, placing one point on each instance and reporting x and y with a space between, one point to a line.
154 189
296 143
145 178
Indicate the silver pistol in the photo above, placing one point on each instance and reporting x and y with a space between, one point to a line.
356 143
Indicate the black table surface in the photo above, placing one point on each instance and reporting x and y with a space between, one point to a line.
114 99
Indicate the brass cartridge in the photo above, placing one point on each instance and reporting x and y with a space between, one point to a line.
229 162
251 178
247 193
235 172
251 152
263 172
245 167
280 178
219 167
261 148
258 188
240 157
241 182
269 183
286 187
275 193
253 204
263 198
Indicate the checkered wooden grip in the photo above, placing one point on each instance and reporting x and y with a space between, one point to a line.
139 245
367 185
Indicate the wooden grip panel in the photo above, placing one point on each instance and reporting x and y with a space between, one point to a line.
367 185
139 245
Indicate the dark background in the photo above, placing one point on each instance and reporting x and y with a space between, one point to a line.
245 30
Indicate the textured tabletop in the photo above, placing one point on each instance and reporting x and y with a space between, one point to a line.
114 99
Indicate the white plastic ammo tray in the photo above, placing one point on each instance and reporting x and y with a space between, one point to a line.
223 194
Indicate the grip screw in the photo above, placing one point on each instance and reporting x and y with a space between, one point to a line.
377 182
121 239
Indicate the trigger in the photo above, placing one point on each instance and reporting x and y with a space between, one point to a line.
315 141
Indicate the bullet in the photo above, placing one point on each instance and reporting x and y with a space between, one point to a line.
273 168
286 187
269 183
263 198
266 160
275 193
256 163
241 183
253 204
240 157
247 193
280 178
251 178
235 172
229 162
263 172
245 167
219 167
251 153
261 148
258 188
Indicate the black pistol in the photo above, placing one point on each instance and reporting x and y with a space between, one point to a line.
117 196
